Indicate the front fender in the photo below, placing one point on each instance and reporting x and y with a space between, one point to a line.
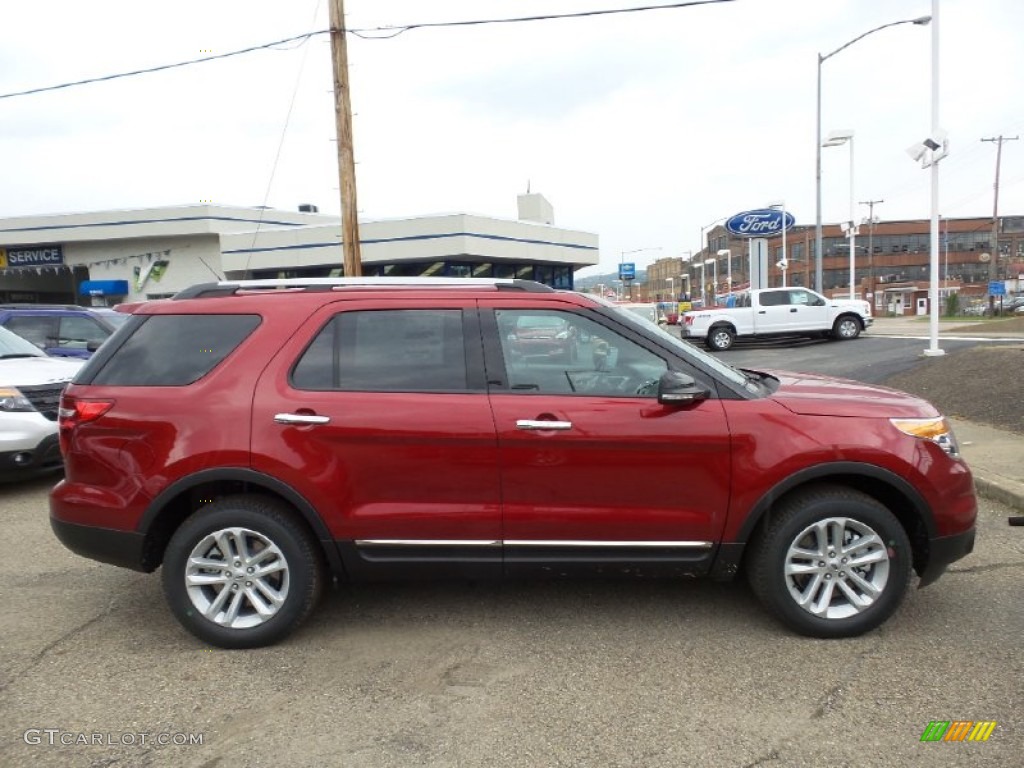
833 471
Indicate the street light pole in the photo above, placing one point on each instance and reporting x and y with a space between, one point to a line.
783 262
622 257
920 21
871 247
853 231
728 278
714 289
933 288
835 139
707 227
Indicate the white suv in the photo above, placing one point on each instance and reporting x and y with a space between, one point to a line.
30 387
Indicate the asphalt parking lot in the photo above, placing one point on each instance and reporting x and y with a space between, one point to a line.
95 672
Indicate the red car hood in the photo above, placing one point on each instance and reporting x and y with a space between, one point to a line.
814 395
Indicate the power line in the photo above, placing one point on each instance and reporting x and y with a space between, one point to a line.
366 34
397 30
162 67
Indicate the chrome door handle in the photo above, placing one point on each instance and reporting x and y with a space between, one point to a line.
300 418
530 424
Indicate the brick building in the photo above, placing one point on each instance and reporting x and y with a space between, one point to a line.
892 262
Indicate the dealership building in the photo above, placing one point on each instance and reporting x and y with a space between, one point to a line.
109 257
891 259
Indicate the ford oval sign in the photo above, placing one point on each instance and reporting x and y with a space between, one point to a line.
761 223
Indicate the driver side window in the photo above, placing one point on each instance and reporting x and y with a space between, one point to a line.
561 353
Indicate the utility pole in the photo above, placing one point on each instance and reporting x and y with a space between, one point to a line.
993 263
346 155
871 245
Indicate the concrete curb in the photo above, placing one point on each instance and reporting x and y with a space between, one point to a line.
998 490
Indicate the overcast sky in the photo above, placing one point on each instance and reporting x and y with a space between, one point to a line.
640 127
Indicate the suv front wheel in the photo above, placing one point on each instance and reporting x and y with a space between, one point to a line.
241 572
832 562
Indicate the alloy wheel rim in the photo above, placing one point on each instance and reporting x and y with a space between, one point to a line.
237 578
837 568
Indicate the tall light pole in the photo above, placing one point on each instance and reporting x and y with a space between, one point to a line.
872 220
707 227
714 289
685 257
835 139
921 20
703 290
728 277
784 261
623 255
933 288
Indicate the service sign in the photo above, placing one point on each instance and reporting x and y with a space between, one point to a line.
44 256
765 222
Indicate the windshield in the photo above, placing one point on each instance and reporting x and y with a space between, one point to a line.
540 321
12 345
115 319
726 371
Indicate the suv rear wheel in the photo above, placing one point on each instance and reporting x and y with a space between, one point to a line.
833 562
720 338
242 572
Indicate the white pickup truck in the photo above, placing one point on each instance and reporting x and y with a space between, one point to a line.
777 312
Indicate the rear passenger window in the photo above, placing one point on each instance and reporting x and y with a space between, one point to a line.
410 350
41 331
77 332
774 298
174 350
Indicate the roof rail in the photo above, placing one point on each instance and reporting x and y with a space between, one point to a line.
229 287
47 306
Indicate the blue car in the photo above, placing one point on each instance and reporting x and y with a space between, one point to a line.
61 330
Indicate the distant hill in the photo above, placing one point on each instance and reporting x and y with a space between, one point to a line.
610 279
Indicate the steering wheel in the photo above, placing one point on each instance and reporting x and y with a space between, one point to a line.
649 387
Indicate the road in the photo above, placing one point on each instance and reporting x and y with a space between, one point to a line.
871 359
530 674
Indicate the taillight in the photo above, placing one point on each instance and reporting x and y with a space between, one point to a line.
74 412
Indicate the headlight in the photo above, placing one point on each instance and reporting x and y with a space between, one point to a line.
937 430
12 400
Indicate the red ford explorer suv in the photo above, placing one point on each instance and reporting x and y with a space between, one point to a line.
259 439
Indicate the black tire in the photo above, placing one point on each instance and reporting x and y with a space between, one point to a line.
721 338
275 559
853 517
846 327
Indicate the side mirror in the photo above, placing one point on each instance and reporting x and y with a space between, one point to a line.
92 346
675 388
